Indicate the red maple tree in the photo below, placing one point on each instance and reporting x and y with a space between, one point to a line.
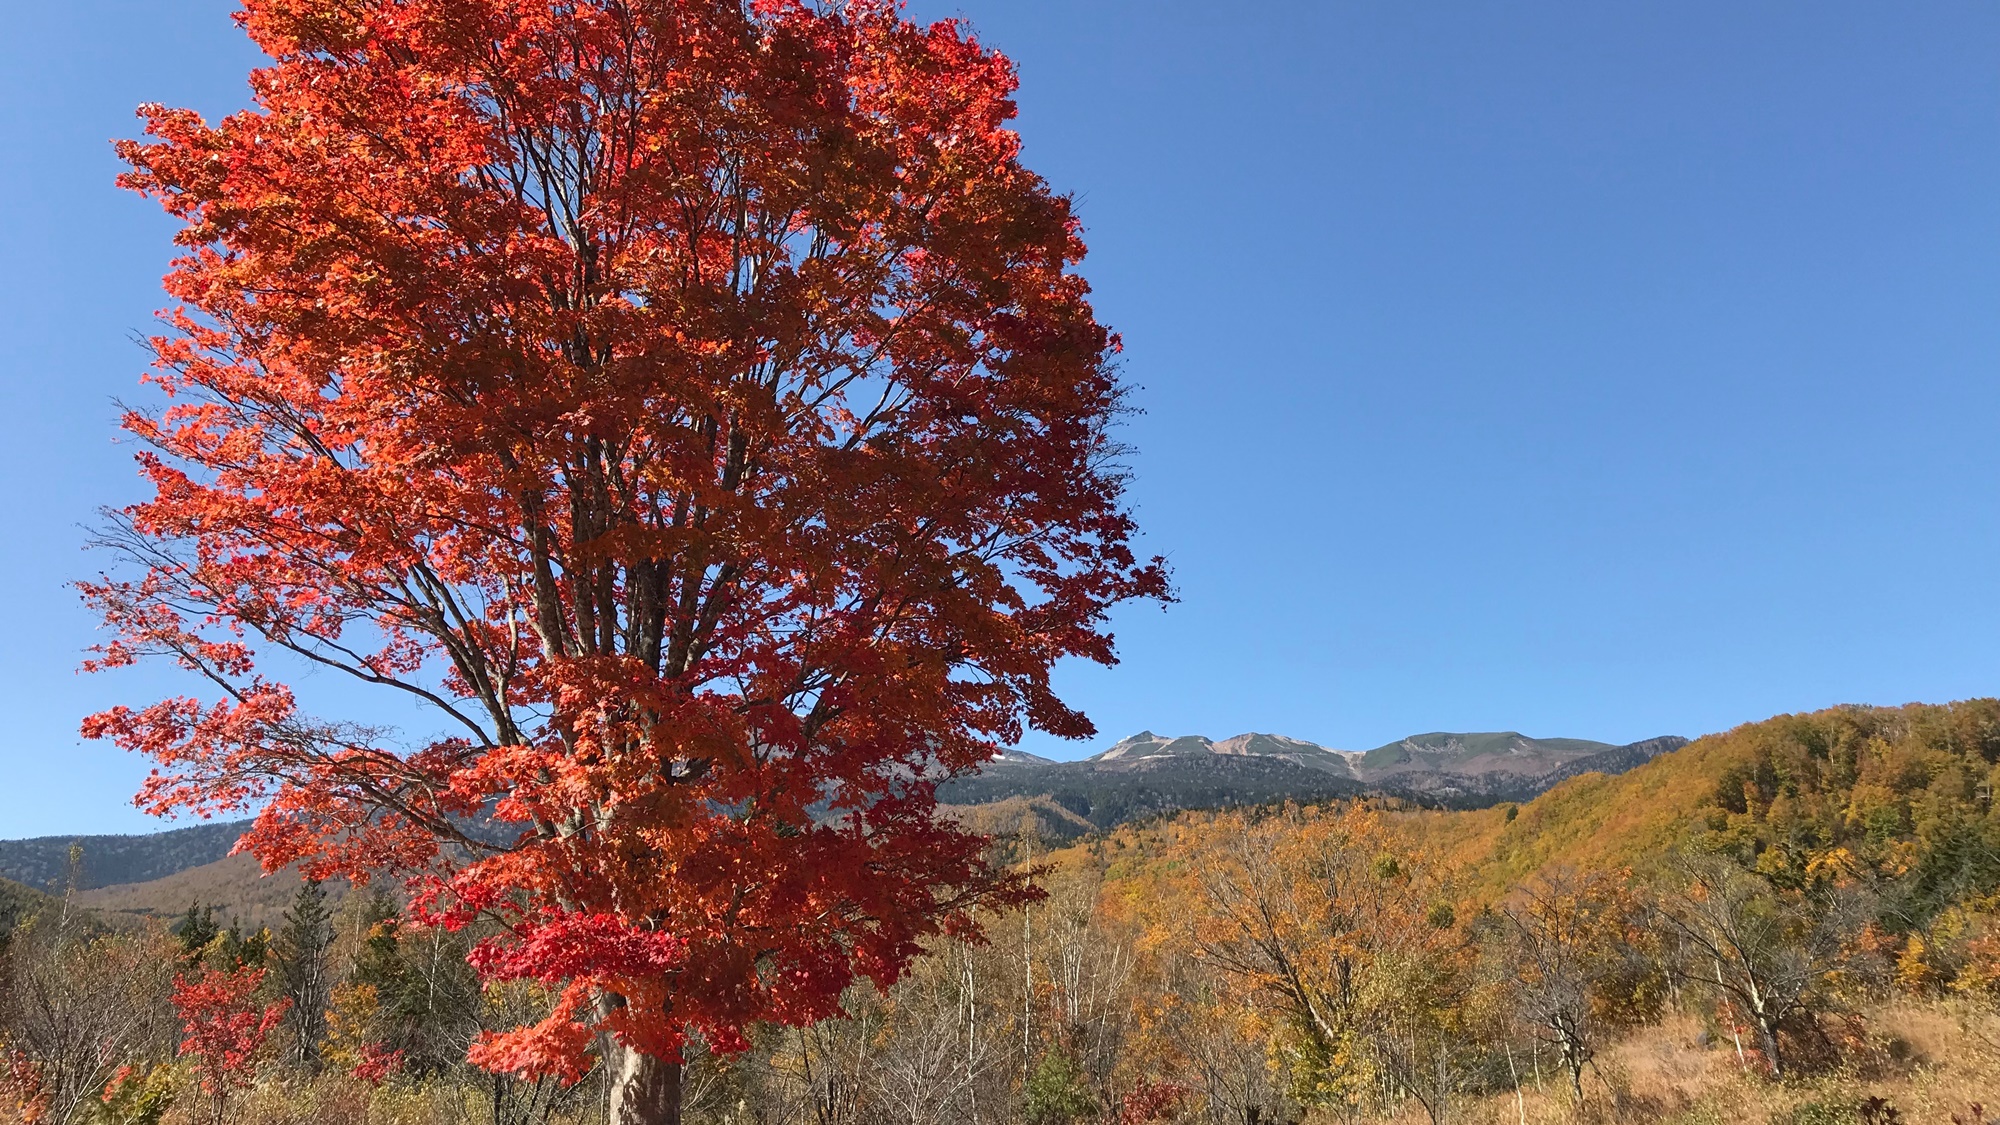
224 1027
693 402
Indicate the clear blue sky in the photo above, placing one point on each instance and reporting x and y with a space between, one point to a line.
1581 369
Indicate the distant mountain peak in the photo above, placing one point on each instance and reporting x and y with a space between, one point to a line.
1018 758
1479 752
1274 744
1146 744
1149 773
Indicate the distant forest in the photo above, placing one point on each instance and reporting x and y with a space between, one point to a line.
43 862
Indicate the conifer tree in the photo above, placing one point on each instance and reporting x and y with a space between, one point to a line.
304 976
196 930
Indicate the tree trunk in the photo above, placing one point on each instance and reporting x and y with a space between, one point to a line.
644 1090
1768 1031
1520 1103
1573 1060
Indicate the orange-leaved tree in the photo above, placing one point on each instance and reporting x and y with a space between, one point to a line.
1331 929
225 1025
1582 962
694 403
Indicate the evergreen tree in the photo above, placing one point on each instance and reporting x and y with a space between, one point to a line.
1056 1093
304 976
238 950
427 998
196 931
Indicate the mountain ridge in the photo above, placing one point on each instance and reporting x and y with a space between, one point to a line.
1140 776
42 862
1148 773
1459 753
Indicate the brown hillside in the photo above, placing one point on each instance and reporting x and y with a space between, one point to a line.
1013 816
1592 821
238 889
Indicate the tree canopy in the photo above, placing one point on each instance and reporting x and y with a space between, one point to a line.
695 404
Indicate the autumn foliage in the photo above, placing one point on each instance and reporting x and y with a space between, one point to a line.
693 406
1347 962
224 1024
22 1089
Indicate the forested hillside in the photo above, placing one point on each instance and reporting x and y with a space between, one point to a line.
1814 898
1895 794
43 861
17 904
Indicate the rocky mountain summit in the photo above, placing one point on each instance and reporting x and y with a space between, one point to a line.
1442 762
1149 773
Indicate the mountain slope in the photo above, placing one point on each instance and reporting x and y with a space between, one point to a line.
235 885
1131 787
43 861
1906 790
1477 754
17 904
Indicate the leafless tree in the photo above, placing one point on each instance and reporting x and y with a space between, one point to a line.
815 1075
1090 972
80 1003
930 1059
1764 950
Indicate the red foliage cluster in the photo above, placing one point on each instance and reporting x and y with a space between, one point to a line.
691 402
224 1026
1150 1102
377 1063
116 1086
21 1082
554 1047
